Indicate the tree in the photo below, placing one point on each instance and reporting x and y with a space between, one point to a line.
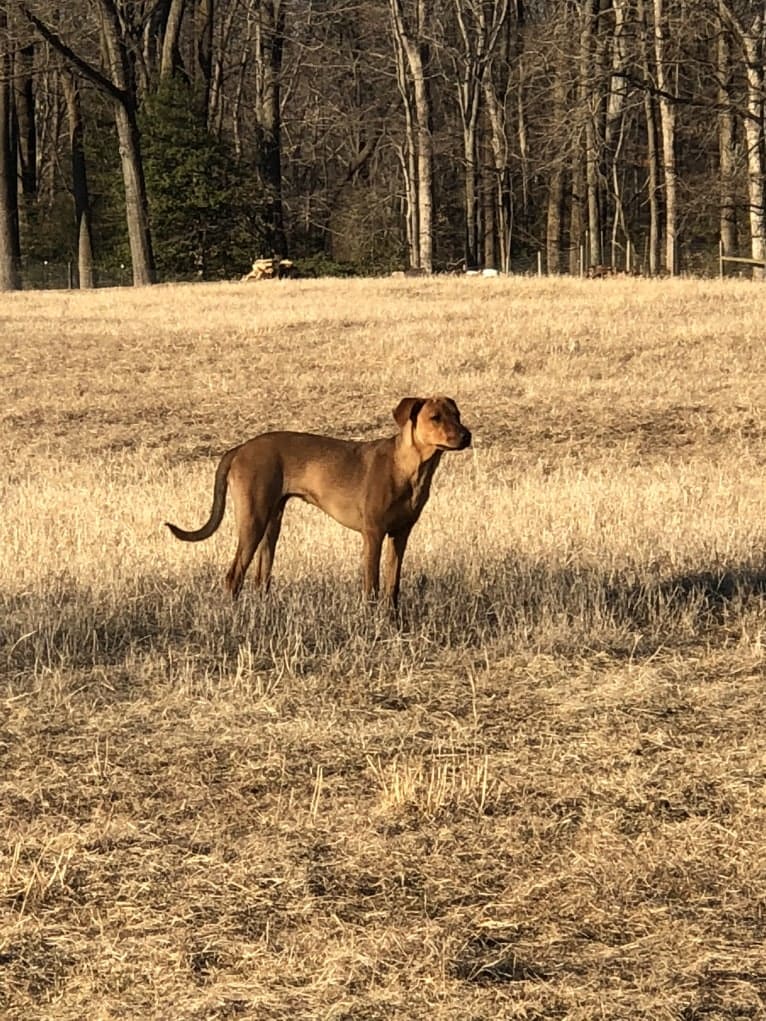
749 31
479 27
410 32
10 250
116 81
727 140
589 103
355 131
80 192
24 105
554 226
615 126
667 102
653 242
170 56
269 50
505 67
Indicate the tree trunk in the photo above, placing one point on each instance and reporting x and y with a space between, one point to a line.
227 41
10 277
577 221
753 44
170 60
750 37
82 207
425 155
471 194
24 103
128 136
489 227
554 228
410 210
502 173
204 14
668 129
136 207
119 86
652 152
479 36
576 147
270 46
408 158
415 50
727 145
614 128
587 96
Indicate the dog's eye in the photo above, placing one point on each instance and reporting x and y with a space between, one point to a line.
436 418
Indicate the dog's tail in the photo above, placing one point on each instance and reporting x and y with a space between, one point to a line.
219 504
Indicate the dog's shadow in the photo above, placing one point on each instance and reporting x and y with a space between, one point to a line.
707 593
525 599
513 603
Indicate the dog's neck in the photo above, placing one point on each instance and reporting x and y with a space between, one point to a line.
416 464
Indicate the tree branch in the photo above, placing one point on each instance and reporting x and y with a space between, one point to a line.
81 66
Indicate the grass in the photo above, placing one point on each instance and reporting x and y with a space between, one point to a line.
539 794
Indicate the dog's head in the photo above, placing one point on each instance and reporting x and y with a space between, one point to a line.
435 422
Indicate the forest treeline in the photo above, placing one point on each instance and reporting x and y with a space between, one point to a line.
184 138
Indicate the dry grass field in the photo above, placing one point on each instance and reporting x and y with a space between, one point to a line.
541 793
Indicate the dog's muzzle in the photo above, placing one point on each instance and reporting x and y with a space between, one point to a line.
463 441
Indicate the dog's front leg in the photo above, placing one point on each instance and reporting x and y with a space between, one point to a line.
373 544
392 565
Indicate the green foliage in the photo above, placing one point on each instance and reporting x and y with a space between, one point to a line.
205 208
321 265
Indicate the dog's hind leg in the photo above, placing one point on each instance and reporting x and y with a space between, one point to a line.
258 502
264 560
251 530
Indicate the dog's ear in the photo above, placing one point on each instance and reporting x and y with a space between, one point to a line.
408 409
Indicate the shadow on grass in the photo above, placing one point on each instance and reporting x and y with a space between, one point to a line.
322 624
487 960
708 594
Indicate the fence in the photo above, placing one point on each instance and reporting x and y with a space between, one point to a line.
736 259
47 274
695 260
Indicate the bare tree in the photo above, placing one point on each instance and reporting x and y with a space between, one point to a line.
749 31
667 100
727 141
116 81
24 104
556 123
170 52
653 245
268 48
10 277
589 101
204 16
411 40
501 167
480 26
615 126
80 192
503 88
554 214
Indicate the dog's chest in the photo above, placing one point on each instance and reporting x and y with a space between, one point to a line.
410 499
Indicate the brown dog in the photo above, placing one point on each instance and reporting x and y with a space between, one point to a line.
378 488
